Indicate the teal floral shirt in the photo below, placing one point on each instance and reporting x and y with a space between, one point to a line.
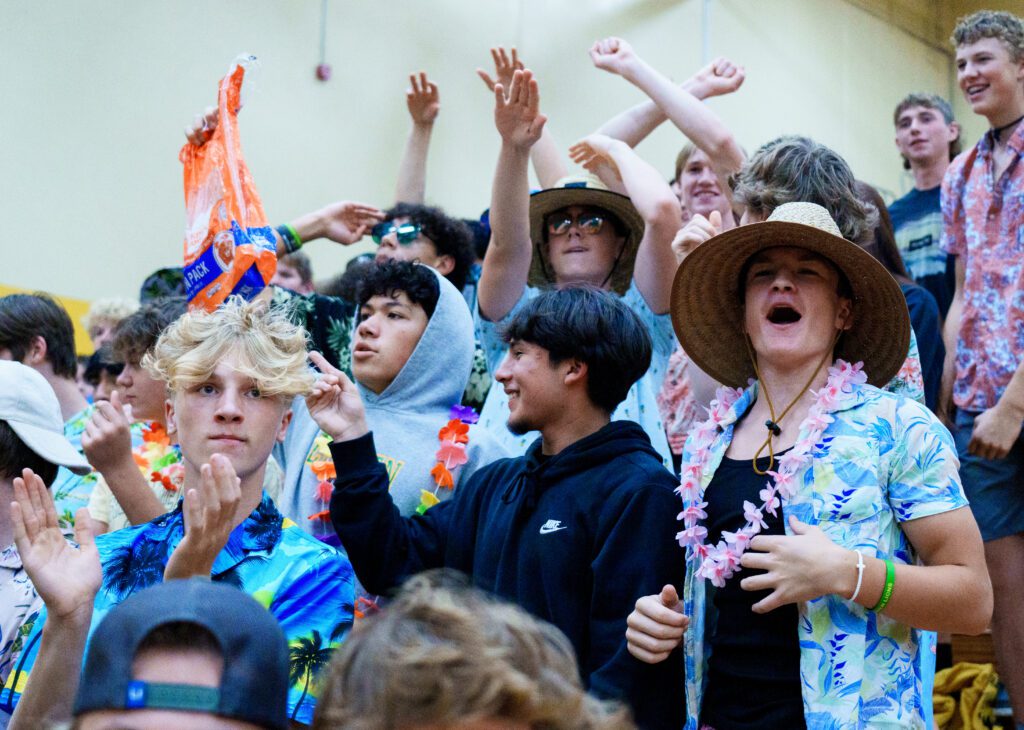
71 491
884 460
305 584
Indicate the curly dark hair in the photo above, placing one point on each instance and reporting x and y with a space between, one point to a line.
450 236
417 281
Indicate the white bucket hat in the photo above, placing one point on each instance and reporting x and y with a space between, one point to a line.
29 406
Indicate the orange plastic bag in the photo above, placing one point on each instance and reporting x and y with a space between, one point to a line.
229 248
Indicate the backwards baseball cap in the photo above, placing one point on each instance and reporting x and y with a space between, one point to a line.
253 687
29 406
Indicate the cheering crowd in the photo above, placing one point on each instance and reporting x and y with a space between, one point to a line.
727 451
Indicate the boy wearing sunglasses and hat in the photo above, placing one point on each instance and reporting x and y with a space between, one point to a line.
577 233
827 514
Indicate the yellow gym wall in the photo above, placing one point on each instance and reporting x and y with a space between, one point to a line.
97 92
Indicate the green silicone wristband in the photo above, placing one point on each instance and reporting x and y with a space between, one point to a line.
295 237
890 582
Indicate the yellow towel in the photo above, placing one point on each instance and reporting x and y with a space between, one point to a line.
963 697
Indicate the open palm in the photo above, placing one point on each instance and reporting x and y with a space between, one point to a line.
66 577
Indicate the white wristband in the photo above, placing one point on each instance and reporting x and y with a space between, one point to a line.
860 575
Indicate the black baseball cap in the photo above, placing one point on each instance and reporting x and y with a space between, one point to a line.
253 687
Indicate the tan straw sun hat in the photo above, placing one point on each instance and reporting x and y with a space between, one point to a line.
588 191
707 299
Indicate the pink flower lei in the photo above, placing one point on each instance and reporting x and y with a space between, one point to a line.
721 561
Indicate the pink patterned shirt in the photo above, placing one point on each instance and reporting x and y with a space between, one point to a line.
983 221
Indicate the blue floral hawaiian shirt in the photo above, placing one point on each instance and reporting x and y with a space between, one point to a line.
305 584
884 460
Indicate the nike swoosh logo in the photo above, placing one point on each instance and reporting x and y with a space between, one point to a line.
545 529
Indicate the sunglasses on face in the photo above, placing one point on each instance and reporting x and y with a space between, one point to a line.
590 223
406 233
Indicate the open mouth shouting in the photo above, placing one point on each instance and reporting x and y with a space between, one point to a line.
782 315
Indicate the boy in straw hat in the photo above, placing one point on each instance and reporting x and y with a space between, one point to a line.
810 497
576 233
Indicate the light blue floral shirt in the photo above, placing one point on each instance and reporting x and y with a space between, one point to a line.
884 460
305 584
640 404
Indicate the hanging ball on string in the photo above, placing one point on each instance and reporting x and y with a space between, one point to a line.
323 72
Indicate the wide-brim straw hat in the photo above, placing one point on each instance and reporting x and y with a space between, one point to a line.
588 191
707 299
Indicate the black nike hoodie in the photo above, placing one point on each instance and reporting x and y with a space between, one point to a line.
573 538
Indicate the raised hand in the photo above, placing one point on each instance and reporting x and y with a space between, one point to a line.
518 116
718 78
107 440
504 67
422 99
335 404
696 231
346 222
202 127
613 55
656 626
593 151
66 578
210 516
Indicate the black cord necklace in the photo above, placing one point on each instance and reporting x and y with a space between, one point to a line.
997 131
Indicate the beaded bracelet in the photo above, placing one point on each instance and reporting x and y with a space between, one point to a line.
292 242
890 582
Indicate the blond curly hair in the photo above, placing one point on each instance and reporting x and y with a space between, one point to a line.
268 347
443 653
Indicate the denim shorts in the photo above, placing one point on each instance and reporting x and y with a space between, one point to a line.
994 487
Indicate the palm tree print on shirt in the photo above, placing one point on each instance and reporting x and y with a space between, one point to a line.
307 658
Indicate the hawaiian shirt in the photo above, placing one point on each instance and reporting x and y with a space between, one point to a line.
18 602
681 412
640 404
884 460
304 583
71 491
983 221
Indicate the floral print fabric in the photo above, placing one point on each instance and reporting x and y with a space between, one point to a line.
983 222
883 460
305 584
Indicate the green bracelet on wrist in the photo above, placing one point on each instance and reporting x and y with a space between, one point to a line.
890 582
292 242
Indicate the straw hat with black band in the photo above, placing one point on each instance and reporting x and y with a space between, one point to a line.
707 299
583 191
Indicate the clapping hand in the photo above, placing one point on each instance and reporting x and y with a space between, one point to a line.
66 577
210 516
107 439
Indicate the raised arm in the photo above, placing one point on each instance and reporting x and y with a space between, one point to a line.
507 263
633 126
384 547
67 579
344 222
424 103
693 118
546 156
107 444
655 262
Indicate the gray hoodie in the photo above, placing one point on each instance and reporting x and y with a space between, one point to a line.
405 419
